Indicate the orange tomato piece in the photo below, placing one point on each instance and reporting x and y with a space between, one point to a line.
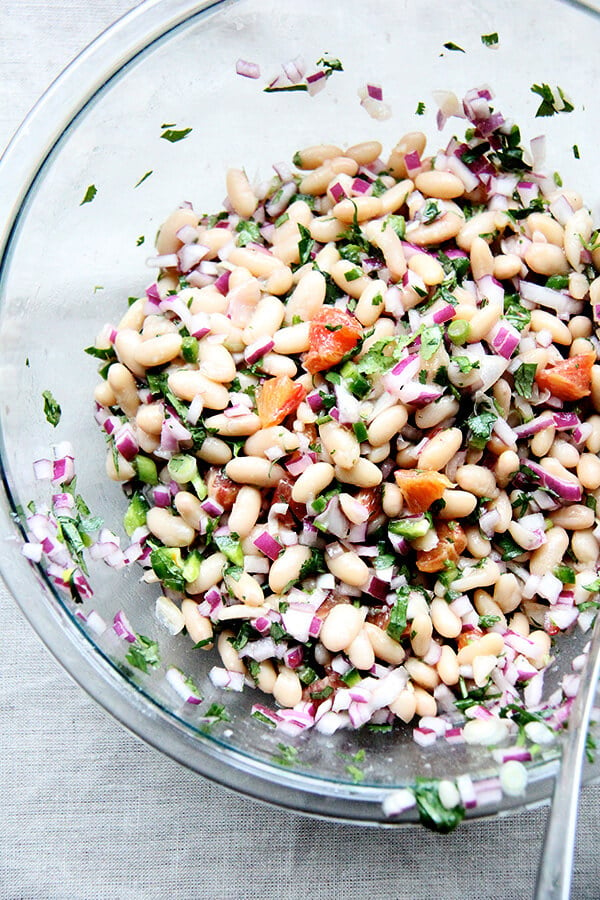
277 398
333 333
451 543
467 637
420 488
570 379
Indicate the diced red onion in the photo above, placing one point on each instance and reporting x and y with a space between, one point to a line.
444 314
567 490
178 682
247 69
267 545
224 678
122 627
258 348
163 261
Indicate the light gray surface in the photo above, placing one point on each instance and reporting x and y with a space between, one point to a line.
86 811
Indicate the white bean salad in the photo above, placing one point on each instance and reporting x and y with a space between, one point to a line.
358 420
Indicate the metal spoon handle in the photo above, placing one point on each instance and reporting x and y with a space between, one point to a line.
556 863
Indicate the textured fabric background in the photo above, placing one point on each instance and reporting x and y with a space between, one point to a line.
87 812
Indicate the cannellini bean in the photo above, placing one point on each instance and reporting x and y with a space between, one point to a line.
422 674
420 634
478 546
585 546
588 471
167 240
198 627
578 231
361 653
480 223
314 156
405 704
214 451
126 343
312 482
211 572
170 529
245 588
348 567
150 417
340 443
228 654
370 304
434 413
565 453
546 259
187 383
545 321
478 480
574 518
443 229
326 228
413 141
506 266
189 508
307 297
266 438
491 644
507 593
390 245
386 425
395 196
458 504
482 576
363 474
293 339
266 677
154 326
104 394
254 470
482 261
287 689
342 625
440 449
123 386
392 500
241 195
384 647
363 208
287 567
122 471
365 152
483 320
543 223
550 554
427 267
245 511
349 278
134 317
506 466
216 362
447 665
580 326
437 183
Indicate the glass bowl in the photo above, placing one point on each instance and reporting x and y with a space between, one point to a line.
68 268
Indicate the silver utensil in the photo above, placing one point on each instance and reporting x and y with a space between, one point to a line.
556 863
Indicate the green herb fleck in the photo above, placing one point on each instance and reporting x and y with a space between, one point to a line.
490 40
552 102
432 813
420 108
52 409
174 136
143 654
89 194
143 178
450 45
285 755
524 378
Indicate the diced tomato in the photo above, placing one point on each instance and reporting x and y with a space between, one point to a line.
221 488
333 333
570 379
420 488
283 494
277 398
468 636
451 543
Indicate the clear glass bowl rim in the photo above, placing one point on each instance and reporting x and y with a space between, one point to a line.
22 161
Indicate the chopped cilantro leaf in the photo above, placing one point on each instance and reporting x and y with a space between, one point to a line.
480 428
248 232
431 339
450 45
576 151
397 622
285 755
508 547
432 812
143 653
143 178
217 712
552 101
52 409
89 194
490 40
305 244
420 108
524 377
140 240
168 566
173 136
515 312
558 282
